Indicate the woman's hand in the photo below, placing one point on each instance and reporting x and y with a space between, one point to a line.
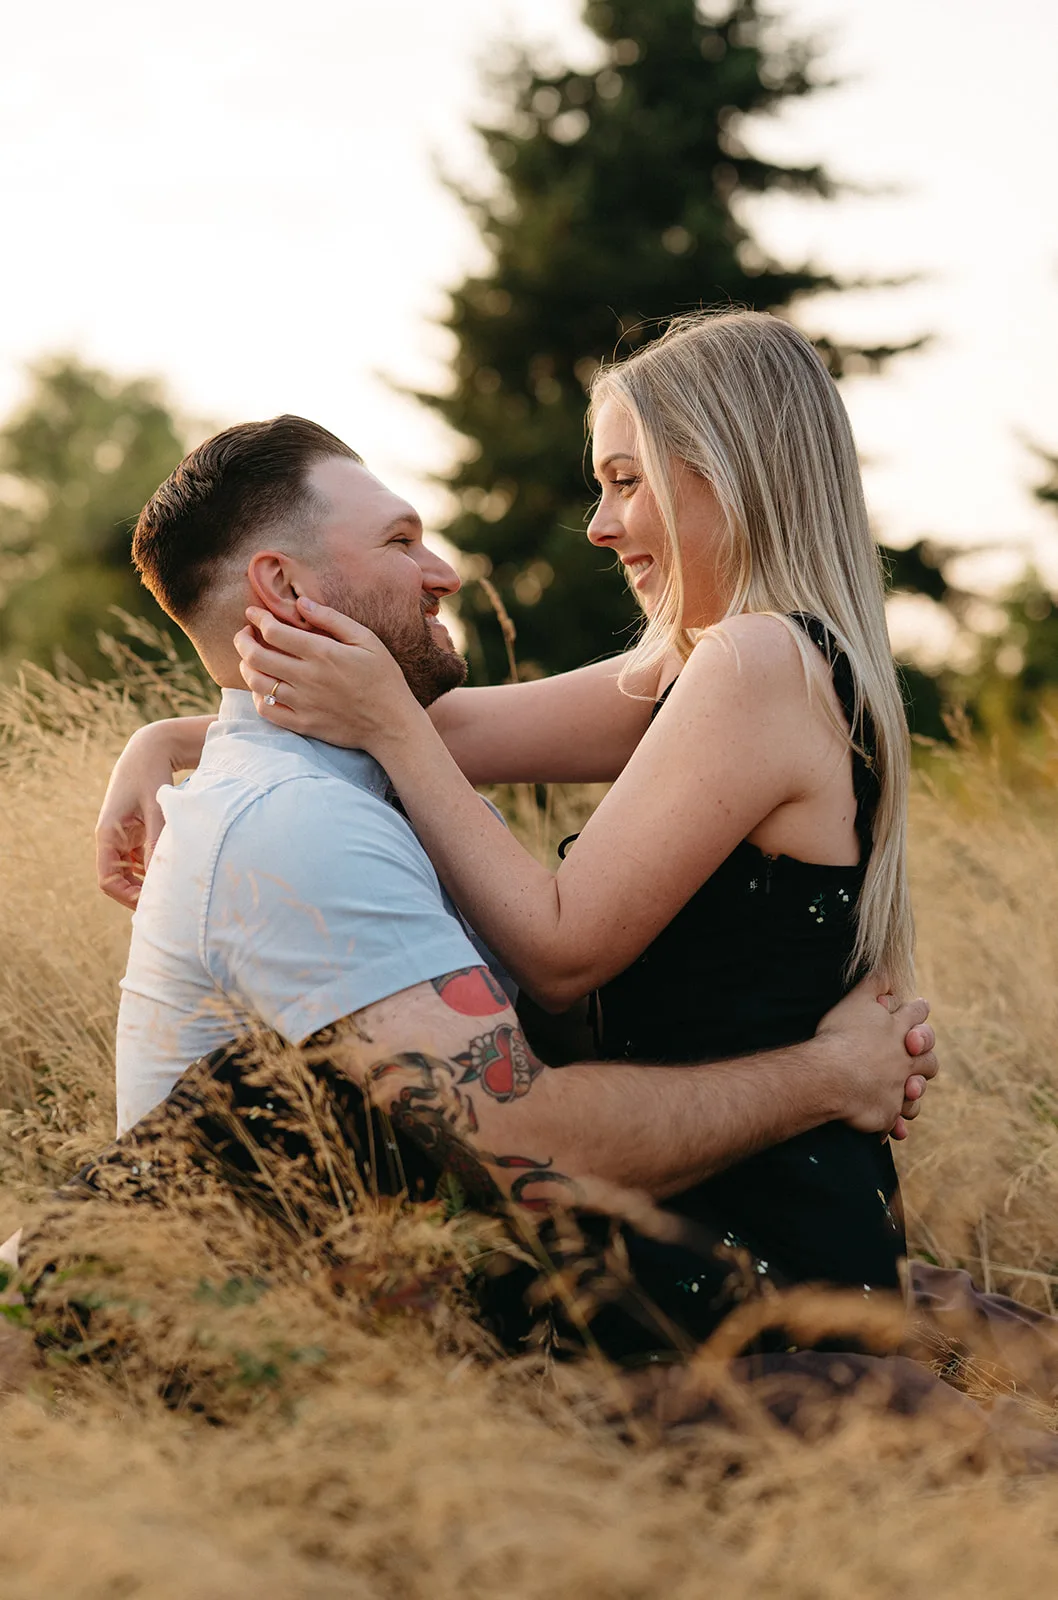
130 819
338 683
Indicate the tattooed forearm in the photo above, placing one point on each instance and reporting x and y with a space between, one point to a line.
435 1111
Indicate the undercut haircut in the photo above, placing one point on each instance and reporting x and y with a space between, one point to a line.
238 484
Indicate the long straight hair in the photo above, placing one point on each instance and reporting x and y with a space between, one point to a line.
743 399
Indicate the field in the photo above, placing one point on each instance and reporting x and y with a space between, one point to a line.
247 1430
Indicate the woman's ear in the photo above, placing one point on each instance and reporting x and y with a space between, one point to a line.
275 581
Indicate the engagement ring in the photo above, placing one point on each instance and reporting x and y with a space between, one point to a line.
270 698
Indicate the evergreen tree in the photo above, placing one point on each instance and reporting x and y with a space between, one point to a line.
78 461
615 206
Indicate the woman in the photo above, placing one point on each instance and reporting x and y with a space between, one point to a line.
748 862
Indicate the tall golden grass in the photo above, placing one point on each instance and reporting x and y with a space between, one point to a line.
261 1429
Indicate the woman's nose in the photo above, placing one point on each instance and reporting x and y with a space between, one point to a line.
603 526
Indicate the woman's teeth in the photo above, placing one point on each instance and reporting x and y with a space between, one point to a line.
638 567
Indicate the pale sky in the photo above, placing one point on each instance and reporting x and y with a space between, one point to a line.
241 197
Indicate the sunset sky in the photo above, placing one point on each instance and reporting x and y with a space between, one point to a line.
243 199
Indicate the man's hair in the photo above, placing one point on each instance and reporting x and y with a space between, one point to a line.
239 483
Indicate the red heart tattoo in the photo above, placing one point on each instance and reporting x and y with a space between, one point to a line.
501 1062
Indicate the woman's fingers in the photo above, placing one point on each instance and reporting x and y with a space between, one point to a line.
335 623
264 657
297 642
263 686
119 868
262 667
153 823
282 717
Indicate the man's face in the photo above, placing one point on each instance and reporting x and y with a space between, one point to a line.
374 567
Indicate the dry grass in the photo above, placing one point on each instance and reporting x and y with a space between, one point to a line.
362 1443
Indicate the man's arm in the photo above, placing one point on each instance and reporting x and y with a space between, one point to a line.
447 1060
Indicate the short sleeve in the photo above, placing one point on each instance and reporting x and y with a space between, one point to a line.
322 902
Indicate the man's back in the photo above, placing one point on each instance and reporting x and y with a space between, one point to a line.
285 890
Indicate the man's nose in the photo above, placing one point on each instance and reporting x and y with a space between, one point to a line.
438 576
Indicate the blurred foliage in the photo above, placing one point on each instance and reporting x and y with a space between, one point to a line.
1007 676
77 462
1017 678
616 203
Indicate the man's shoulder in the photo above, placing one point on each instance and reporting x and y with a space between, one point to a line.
304 822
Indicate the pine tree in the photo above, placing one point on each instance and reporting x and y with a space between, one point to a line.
615 206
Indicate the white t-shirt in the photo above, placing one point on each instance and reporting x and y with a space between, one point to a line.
286 890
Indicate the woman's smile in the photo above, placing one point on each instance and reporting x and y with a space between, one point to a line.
638 569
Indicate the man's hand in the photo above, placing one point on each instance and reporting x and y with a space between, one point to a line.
875 1044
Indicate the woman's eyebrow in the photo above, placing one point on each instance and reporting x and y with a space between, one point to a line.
618 455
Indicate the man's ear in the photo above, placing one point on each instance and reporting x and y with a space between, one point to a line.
275 582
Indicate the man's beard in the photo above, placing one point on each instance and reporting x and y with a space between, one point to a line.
430 669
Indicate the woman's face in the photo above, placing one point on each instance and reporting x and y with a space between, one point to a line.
628 521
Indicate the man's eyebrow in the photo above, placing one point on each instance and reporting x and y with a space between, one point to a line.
407 519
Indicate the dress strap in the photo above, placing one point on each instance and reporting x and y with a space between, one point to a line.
865 782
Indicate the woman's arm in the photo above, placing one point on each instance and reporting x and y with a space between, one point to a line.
130 818
727 750
577 727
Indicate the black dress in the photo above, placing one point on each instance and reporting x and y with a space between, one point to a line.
752 962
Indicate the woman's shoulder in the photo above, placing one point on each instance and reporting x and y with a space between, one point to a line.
762 649
760 677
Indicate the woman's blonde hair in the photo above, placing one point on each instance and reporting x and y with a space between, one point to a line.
743 399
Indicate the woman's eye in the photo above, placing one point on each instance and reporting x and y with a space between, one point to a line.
625 483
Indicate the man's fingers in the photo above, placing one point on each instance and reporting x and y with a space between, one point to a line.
912 1012
921 1040
899 1130
926 1066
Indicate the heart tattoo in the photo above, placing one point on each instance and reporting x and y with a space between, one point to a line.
501 1062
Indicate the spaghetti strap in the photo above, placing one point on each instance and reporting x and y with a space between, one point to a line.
865 782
